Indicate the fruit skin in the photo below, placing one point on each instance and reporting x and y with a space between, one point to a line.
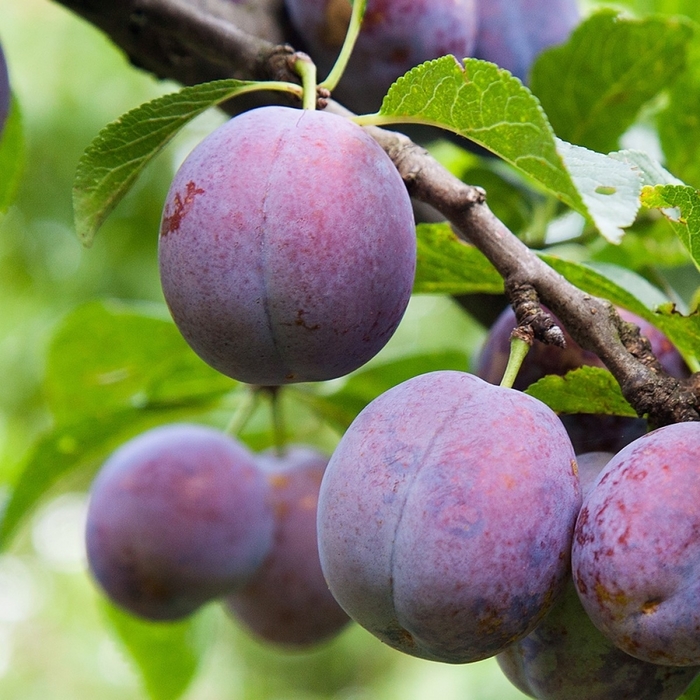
287 247
396 35
177 516
588 432
287 602
636 554
4 91
567 658
512 33
445 516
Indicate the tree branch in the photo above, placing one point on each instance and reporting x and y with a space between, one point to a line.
200 40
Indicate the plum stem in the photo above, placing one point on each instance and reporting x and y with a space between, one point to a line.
305 68
244 411
518 350
333 78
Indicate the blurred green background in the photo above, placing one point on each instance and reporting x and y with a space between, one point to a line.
55 641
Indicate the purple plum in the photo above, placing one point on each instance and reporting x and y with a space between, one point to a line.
4 91
287 602
287 247
396 35
178 516
636 553
512 33
445 516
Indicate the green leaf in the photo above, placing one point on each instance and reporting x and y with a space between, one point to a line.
693 692
113 161
492 108
614 284
584 390
166 654
447 265
107 357
679 123
11 156
593 86
680 204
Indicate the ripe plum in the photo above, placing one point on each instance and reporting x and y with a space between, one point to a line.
4 91
445 516
636 554
396 35
287 247
177 516
513 32
287 601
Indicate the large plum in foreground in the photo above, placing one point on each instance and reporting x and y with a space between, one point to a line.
396 35
178 515
512 33
287 247
446 514
287 601
636 552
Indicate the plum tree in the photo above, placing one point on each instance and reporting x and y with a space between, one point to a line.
445 516
287 247
287 602
396 35
636 555
588 433
4 91
513 32
177 516
567 658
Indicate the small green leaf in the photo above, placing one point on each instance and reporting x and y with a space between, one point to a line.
108 356
693 692
584 390
11 156
447 265
680 204
166 654
113 161
492 108
593 86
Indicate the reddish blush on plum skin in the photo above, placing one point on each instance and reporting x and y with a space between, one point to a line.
287 602
446 514
287 248
636 554
177 516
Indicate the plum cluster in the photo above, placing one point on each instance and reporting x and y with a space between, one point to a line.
184 514
397 35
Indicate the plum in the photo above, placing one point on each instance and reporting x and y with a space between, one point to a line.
396 35
588 432
636 553
513 32
287 602
287 247
445 516
567 658
4 91
177 516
